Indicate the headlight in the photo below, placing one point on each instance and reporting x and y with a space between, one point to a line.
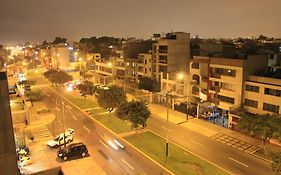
60 155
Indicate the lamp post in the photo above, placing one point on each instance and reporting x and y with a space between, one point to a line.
179 77
167 124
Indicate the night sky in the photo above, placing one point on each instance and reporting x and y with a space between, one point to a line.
38 20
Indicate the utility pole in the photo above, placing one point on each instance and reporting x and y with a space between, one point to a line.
167 127
63 123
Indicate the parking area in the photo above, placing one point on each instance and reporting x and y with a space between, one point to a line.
236 143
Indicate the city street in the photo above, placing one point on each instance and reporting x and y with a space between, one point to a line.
226 157
127 161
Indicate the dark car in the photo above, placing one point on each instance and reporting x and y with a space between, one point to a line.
73 150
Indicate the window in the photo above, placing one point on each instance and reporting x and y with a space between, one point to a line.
163 49
226 72
145 62
162 68
252 88
273 92
163 59
251 103
271 107
226 99
195 65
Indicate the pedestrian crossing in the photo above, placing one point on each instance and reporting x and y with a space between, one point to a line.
41 133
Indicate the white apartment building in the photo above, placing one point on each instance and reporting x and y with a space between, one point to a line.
60 56
171 54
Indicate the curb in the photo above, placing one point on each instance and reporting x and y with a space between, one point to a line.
161 166
259 157
193 153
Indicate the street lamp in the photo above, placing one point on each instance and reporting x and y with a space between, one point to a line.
168 94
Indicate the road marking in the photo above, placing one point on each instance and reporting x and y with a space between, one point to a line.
238 162
104 144
127 164
67 106
86 128
197 143
166 129
75 118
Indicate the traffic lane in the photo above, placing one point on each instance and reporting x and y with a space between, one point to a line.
129 157
209 149
91 141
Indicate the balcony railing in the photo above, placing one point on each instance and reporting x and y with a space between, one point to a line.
214 75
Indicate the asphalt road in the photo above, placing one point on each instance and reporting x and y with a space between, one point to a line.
127 161
230 159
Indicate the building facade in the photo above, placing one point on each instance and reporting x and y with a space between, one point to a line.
171 54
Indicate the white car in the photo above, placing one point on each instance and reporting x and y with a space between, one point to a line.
25 161
62 139
114 143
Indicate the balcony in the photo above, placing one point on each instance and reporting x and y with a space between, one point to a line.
193 82
214 75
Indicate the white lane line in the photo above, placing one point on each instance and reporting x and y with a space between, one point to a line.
86 128
238 162
166 129
197 143
127 164
75 118
104 144
67 106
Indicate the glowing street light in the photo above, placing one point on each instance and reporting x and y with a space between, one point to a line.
109 64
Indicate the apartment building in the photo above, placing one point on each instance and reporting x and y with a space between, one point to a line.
104 71
221 81
171 54
60 56
144 65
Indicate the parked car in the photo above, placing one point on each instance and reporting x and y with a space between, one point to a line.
73 150
62 139
22 151
25 161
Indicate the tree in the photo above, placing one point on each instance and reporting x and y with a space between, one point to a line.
111 97
276 163
58 77
86 88
34 95
85 75
247 124
135 111
146 83
59 40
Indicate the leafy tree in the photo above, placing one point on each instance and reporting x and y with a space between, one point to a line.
111 97
86 88
59 40
135 111
276 163
146 83
85 75
58 77
247 124
34 95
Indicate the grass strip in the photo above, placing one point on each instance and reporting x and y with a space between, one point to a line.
179 161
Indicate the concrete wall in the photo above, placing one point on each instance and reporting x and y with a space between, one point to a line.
8 159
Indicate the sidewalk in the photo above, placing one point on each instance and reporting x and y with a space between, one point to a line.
38 120
197 125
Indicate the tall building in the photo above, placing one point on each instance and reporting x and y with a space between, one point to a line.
60 56
171 54
221 81
8 158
